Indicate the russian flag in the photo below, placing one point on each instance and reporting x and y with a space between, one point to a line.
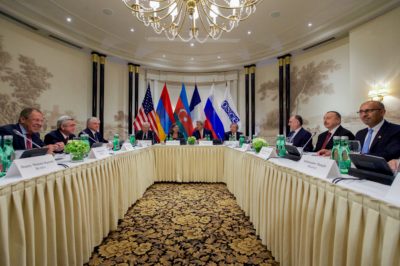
196 108
164 112
213 121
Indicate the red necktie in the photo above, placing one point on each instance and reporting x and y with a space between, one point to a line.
328 137
28 143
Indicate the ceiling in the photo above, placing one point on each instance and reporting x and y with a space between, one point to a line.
105 26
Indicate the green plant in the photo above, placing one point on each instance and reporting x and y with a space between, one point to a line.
258 143
191 140
77 146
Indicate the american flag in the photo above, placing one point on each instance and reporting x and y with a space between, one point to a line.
147 114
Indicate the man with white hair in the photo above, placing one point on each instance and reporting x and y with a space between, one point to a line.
65 131
92 130
145 133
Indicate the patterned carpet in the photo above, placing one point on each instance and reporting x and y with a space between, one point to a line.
183 224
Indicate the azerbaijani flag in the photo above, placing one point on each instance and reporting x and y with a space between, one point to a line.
182 114
164 114
213 121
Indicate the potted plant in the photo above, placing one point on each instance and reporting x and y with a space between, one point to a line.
258 143
191 140
77 149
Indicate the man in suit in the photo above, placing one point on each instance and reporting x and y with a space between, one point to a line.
298 136
145 133
380 138
92 130
332 121
65 131
29 124
201 133
234 132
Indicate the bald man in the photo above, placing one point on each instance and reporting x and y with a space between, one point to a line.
380 138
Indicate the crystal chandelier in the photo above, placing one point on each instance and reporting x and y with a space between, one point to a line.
192 19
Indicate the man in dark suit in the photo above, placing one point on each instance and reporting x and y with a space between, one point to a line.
298 136
381 138
145 133
332 121
65 131
92 130
29 124
234 132
201 133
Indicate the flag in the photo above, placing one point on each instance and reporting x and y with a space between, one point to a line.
228 111
182 114
147 114
213 121
164 113
196 108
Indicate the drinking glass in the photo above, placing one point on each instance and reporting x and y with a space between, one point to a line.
354 146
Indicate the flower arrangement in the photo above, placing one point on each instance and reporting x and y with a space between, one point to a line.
258 143
191 140
77 149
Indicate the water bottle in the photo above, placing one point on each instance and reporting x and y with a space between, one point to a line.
241 141
8 152
2 172
280 145
132 140
116 142
344 158
335 149
208 137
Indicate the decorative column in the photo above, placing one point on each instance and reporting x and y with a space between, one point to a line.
131 68
246 87
281 102
287 90
101 92
253 98
95 62
136 89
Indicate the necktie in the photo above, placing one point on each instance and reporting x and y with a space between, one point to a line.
28 142
291 136
367 142
145 136
328 137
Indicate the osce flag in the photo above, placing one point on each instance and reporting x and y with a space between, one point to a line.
182 114
213 119
164 113
196 108
229 113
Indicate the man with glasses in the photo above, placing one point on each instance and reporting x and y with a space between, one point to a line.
381 138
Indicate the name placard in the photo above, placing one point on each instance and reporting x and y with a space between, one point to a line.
127 147
205 143
172 143
318 166
245 147
232 144
266 153
33 166
392 195
144 143
99 153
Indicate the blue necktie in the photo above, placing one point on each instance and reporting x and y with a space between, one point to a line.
367 142
291 136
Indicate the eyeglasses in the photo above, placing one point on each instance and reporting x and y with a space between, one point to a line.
367 111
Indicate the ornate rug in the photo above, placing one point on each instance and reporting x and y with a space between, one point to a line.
183 224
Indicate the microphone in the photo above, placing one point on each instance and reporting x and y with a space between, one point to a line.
25 138
312 135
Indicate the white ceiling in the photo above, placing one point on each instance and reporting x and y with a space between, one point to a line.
92 29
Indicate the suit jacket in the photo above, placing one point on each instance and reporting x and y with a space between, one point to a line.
386 143
18 141
206 132
340 131
301 138
56 136
140 135
97 136
228 134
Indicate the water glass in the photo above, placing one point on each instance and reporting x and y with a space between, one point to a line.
354 146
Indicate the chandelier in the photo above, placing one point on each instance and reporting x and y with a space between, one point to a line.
192 19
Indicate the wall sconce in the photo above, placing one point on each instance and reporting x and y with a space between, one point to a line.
378 91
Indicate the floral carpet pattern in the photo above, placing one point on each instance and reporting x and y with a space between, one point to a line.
183 224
